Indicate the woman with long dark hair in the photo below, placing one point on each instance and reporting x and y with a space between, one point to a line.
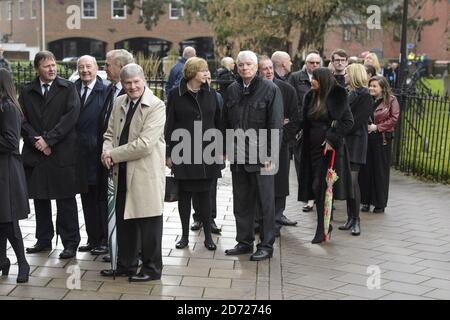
374 177
361 106
325 119
193 105
13 188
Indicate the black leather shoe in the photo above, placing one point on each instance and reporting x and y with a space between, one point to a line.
140 277
260 255
214 228
67 253
210 245
239 249
183 243
348 225
85 248
365 208
378 210
196 225
106 258
307 208
286 222
39 247
99 250
118 273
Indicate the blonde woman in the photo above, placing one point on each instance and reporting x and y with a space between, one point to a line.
360 102
372 60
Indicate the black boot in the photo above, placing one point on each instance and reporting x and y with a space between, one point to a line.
15 238
356 229
348 225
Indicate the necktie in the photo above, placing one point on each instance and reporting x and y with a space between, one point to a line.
83 97
45 90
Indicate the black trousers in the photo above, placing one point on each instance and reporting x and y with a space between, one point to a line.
66 222
374 176
134 235
92 218
213 202
203 201
246 187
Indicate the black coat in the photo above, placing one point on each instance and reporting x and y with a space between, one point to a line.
259 106
183 110
361 106
87 129
290 108
341 122
300 81
13 189
55 176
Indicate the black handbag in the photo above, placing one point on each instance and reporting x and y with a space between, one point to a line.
171 194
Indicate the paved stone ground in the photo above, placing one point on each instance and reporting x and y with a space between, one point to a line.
410 244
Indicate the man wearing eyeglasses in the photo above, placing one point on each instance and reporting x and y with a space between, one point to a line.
339 59
301 81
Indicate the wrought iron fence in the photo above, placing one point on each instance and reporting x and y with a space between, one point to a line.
422 139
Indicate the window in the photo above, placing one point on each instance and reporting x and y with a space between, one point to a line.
89 9
33 9
175 10
118 9
347 33
9 10
21 10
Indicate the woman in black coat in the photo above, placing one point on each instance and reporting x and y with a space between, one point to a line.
192 106
13 188
361 106
326 119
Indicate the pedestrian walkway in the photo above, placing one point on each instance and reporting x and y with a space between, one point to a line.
406 252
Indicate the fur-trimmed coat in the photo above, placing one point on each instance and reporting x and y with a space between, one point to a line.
341 122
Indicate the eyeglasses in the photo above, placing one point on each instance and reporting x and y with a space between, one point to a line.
313 62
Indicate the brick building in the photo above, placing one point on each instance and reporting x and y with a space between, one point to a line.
76 27
105 24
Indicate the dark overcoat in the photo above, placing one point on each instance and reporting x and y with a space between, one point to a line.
290 109
13 189
87 130
361 106
341 122
183 111
55 176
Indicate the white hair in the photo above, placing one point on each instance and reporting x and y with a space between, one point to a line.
131 70
87 57
312 54
189 52
247 55
120 57
227 62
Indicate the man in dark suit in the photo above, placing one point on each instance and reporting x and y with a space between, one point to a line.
301 81
51 107
92 94
290 128
115 61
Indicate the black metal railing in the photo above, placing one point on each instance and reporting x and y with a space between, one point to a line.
422 139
